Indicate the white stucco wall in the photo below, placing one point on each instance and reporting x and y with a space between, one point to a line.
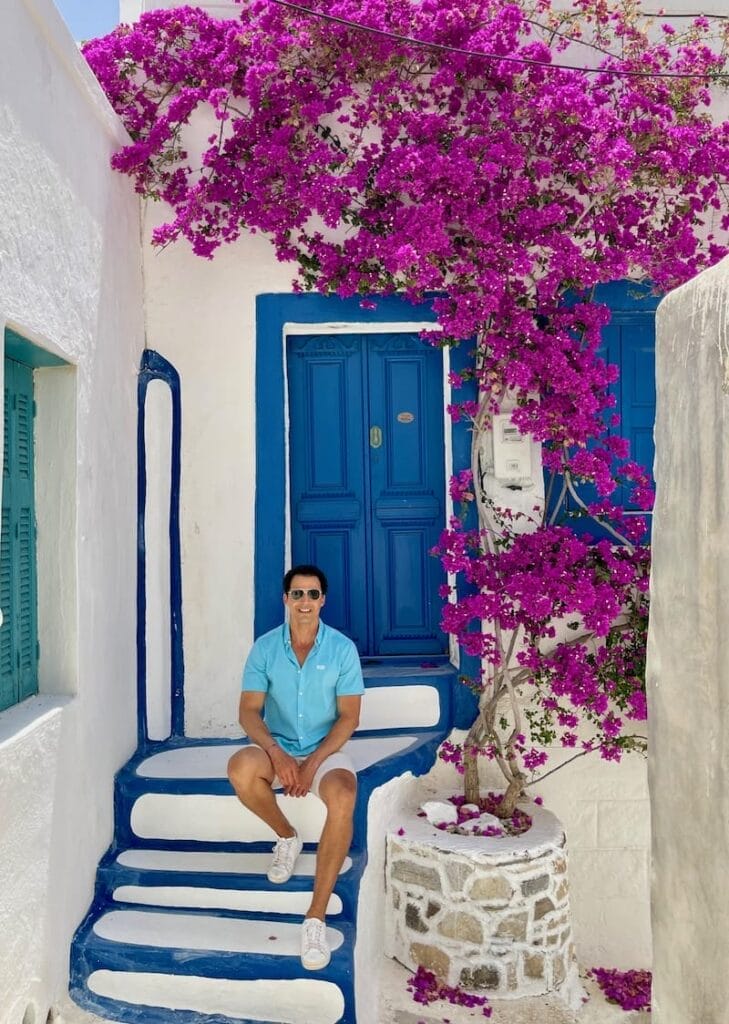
688 654
70 282
605 810
201 317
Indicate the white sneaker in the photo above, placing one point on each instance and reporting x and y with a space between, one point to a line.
283 862
314 949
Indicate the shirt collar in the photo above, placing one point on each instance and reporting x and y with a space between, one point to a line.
317 639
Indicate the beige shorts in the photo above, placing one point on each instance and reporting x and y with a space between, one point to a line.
336 760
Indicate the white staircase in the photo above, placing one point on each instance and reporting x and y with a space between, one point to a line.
185 925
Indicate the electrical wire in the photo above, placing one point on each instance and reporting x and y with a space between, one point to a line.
712 76
673 17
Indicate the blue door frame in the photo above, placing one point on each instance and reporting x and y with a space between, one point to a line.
273 313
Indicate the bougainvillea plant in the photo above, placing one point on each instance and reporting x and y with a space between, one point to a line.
508 158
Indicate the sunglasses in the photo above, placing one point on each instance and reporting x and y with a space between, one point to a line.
314 594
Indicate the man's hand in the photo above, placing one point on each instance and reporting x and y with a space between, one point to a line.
287 769
307 771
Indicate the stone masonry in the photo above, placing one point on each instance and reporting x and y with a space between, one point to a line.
487 914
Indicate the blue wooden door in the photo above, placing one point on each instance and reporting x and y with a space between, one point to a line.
631 343
366 452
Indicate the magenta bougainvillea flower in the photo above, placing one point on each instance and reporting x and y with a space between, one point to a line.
508 159
629 989
426 988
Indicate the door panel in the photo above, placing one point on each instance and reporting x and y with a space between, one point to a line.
367 483
327 484
638 393
405 382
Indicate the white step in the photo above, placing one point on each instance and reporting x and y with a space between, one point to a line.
207 818
221 818
401 707
210 761
278 901
205 932
214 862
298 1001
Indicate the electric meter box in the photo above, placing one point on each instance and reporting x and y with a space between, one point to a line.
512 452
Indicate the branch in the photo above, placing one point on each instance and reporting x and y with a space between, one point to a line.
559 503
541 778
605 525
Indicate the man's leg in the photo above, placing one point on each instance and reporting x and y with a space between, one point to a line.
338 790
251 773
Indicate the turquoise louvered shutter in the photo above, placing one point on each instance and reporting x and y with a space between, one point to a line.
7 672
18 597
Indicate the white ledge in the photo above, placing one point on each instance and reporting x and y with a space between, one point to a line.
546 834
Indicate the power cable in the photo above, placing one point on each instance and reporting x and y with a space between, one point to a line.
713 76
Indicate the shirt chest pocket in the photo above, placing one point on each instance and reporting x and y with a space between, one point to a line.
324 677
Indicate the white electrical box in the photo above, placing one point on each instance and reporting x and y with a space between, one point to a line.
512 452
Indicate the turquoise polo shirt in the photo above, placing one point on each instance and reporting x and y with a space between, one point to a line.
301 700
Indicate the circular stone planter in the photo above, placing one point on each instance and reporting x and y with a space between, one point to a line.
486 914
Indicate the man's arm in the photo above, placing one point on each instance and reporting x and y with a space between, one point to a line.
286 766
348 707
251 718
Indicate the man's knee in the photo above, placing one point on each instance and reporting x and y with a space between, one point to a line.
248 764
338 790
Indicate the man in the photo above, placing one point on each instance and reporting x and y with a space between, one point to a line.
306 678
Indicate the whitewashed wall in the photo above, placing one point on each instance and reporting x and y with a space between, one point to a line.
201 317
70 281
688 654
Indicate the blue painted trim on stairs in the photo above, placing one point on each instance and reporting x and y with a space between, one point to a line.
90 952
214 963
156 367
131 1013
418 757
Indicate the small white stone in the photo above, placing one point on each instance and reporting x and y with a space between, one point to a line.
490 820
469 826
480 824
436 811
470 809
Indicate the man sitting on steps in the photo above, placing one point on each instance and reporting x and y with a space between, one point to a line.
306 679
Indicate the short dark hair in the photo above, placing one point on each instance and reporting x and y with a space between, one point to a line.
305 570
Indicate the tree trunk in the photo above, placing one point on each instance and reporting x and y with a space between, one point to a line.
514 791
471 785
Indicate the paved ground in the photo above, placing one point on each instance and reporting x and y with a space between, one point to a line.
398 1008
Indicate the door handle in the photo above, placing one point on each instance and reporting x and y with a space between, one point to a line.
375 437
